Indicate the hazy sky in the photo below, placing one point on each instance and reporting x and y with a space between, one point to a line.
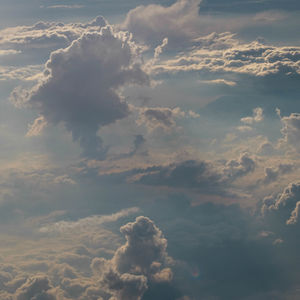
149 150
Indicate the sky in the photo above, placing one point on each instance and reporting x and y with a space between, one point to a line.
149 150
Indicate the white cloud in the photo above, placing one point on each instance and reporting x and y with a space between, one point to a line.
85 223
256 118
153 23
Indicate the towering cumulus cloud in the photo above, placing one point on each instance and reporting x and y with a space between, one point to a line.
136 265
80 87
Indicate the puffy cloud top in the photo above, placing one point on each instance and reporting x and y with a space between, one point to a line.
145 244
153 23
81 86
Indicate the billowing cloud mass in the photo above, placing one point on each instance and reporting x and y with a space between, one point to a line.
138 262
151 159
291 130
133 268
153 23
145 245
35 288
80 88
283 208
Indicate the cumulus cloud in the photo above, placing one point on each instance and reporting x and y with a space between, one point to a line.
257 116
132 270
294 215
284 207
162 117
270 68
145 244
125 286
35 288
203 176
153 23
81 86
291 131
238 168
273 173
136 264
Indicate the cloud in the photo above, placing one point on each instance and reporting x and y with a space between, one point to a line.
272 173
271 69
282 209
66 6
219 81
162 118
8 52
45 36
153 23
201 176
145 244
294 215
27 73
137 263
35 288
125 286
36 127
84 223
81 86
266 148
257 116
291 131
159 49
138 148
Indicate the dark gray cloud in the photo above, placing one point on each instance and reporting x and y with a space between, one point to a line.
202 176
125 286
81 83
145 245
36 288
136 265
